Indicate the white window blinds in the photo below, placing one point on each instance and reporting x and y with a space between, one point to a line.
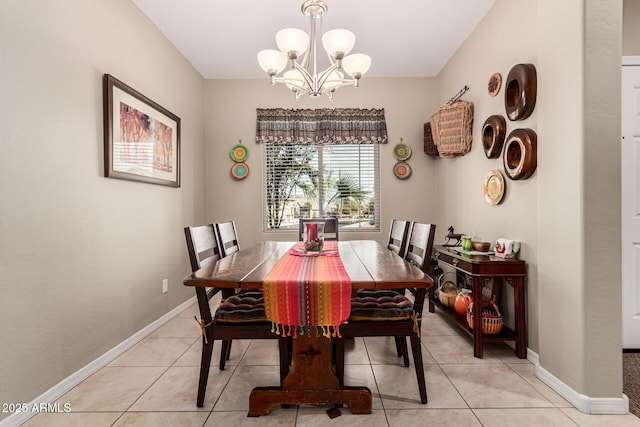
321 181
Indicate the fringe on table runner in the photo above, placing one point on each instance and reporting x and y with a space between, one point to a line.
292 331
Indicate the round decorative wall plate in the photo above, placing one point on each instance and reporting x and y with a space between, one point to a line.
494 187
402 151
402 170
495 83
239 153
239 170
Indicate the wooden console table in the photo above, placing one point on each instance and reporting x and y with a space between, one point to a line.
479 268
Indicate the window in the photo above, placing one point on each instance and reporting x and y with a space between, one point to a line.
321 163
321 181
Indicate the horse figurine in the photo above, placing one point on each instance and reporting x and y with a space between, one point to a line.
453 236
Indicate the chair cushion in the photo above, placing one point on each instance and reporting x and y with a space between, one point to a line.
244 307
380 305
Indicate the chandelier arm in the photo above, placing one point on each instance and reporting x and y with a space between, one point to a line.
304 90
323 76
332 61
305 59
308 78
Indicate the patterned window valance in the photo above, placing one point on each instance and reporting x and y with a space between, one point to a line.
321 126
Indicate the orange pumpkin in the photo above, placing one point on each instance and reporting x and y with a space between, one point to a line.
461 303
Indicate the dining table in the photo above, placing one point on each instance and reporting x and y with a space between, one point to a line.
311 379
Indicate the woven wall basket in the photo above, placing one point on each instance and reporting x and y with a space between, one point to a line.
429 147
451 128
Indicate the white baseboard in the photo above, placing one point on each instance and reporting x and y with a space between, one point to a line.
631 60
586 404
533 357
77 377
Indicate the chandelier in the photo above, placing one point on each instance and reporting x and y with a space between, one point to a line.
303 78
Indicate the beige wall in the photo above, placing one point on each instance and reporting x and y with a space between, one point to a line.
231 115
561 214
461 200
631 29
82 256
582 118
601 204
567 213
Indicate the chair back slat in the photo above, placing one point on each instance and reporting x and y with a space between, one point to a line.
330 227
398 234
227 238
201 244
420 245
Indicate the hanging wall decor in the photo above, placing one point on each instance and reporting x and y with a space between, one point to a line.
495 83
141 138
493 187
520 156
402 152
239 154
239 170
451 128
520 91
402 170
493 133
429 147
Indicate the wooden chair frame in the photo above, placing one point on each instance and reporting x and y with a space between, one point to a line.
400 329
398 234
227 236
231 331
203 240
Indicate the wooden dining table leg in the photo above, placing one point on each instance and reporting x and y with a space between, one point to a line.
310 381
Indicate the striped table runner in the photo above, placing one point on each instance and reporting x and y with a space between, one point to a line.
308 294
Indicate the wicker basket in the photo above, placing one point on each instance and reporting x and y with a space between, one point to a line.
451 128
429 147
447 293
491 318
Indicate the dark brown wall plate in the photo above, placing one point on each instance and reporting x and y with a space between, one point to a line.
494 85
520 156
520 91
493 133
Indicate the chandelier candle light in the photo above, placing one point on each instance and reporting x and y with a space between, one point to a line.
304 79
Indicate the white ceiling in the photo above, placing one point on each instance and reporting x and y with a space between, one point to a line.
405 38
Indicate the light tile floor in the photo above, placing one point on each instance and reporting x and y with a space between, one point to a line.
155 383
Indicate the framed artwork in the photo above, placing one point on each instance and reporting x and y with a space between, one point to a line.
141 138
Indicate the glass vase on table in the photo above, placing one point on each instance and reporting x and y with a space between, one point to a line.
313 237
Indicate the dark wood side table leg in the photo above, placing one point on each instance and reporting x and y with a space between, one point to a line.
520 315
477 316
